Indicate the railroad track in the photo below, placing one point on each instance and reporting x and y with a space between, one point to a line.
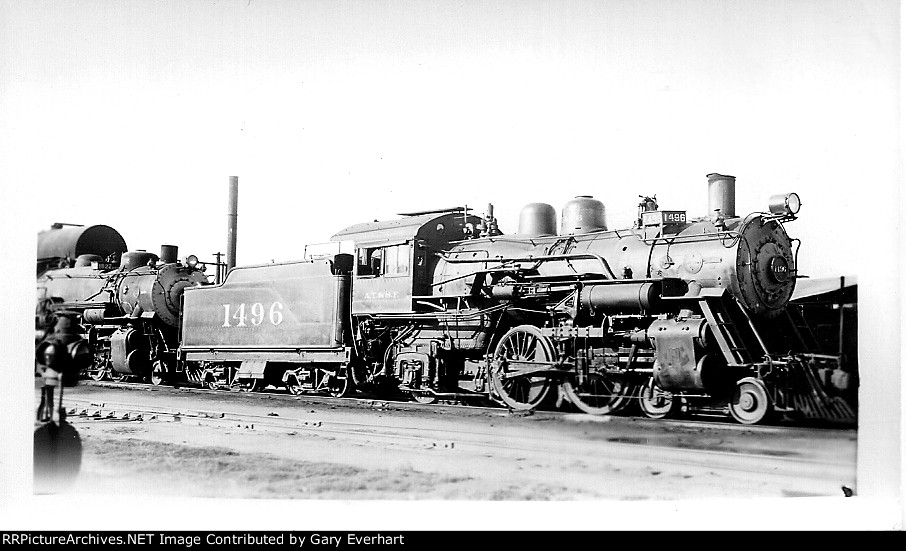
699 419
439 435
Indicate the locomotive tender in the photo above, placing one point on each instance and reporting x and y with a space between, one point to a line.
671 313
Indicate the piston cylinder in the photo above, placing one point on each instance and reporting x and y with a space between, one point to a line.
679 364
673 377
722 195
126 352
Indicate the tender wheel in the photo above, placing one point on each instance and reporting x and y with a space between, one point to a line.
100 373
599 394
423 397
750 403
525 344
158 373
293 386
339 384
655 402
251 385
117 377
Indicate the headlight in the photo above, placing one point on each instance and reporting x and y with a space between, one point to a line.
787 203
50 355
191 260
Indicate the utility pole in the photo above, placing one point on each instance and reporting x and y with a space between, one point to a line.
232 216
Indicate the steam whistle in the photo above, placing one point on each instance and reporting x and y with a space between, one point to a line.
489 224
647 204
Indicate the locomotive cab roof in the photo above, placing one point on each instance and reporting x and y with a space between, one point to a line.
436 229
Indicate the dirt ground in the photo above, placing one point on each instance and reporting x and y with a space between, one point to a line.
273 446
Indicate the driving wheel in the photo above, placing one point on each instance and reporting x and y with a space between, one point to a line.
524 343
599 394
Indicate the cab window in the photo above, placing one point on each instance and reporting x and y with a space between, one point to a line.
369 262
380 261
396 260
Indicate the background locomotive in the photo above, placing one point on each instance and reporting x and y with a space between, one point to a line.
669 313
129 302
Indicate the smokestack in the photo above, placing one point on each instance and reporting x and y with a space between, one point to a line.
232 215
722 195
169 254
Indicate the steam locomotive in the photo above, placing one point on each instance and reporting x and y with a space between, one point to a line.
129 302
671 314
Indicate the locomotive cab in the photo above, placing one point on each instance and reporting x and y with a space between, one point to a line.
384 276
395 259
401 328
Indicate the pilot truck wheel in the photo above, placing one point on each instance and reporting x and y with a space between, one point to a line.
750 402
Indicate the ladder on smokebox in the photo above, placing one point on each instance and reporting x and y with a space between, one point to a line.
727 332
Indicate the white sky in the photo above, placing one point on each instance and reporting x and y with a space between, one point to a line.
134 114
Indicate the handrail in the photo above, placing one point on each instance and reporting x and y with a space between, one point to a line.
441 315
720 235
745 314
538 260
